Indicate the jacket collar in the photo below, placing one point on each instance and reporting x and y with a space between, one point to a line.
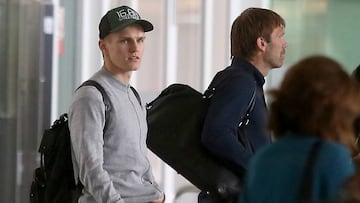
248 67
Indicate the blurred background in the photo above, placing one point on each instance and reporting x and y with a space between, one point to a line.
48 47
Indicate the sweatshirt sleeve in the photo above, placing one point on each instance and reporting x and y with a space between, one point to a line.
86 123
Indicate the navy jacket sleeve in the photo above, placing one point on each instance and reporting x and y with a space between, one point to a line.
227 107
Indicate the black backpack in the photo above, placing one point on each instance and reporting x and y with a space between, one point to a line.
175 121
54 181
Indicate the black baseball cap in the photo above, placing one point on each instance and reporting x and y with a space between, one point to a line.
120 17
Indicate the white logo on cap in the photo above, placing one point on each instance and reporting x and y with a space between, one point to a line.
124 14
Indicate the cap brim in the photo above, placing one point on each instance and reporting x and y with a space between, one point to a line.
147 26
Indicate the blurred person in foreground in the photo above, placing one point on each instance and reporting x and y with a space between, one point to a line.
317 101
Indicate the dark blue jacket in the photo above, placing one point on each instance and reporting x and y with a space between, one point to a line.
227 106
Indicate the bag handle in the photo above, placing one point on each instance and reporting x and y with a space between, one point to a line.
218 79
244 121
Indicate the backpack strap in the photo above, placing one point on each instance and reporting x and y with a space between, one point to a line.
218 79
306 185
136 94
245 119
106 99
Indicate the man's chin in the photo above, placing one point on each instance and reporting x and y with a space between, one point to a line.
277 66
135 68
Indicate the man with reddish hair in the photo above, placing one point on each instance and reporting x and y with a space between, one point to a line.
257 46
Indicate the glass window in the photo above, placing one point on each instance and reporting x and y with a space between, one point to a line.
327 27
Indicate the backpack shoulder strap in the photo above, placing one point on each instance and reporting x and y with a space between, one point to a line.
217 80
105 97
250 107
136 94
306 186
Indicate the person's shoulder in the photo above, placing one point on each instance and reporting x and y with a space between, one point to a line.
334 154
87 93
336 148
239 78
335 161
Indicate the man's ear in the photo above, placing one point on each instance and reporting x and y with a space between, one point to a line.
102 45
261 43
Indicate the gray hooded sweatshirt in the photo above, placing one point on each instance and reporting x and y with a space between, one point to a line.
113 166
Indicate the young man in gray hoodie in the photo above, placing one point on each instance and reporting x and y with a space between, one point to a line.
111 162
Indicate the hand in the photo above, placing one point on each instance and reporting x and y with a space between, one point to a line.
160 200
